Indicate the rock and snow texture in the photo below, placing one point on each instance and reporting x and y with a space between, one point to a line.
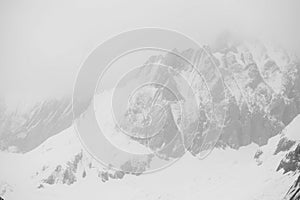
61 169
257 156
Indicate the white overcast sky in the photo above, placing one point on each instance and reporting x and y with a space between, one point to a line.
43 43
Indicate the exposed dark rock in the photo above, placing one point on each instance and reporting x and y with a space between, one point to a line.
52 178
284 145
291 162
41 186
67 174
257 157
294 191
84 174
258 154
69 177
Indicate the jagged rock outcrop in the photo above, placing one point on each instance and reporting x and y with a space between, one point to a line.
284 144
74 164
77 168
294 191
261 94
291 162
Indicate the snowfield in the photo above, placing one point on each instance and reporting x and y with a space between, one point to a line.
225 174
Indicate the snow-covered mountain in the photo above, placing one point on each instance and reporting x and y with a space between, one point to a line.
255 157
259 97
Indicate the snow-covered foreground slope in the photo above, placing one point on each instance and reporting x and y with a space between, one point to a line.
248 173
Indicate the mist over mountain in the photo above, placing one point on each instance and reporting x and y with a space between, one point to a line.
261 95
261 98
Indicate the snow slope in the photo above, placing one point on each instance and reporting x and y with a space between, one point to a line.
225 174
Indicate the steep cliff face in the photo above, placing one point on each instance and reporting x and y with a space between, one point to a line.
259 94
263 101
291 165
294 191
291 162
